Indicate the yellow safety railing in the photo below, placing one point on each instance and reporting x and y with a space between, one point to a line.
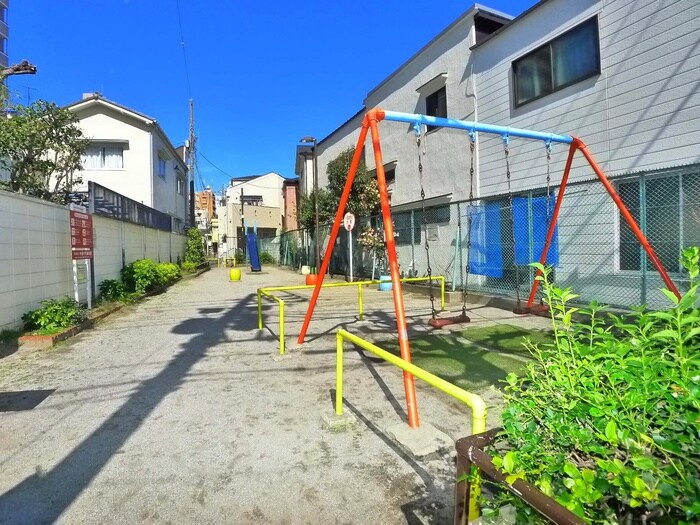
261 294
267 292
477 405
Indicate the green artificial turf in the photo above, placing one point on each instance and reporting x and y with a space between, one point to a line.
474 358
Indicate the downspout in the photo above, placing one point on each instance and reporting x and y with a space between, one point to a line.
150 139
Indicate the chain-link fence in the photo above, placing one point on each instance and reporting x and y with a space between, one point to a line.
487 245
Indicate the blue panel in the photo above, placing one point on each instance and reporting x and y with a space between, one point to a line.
540 224
253 253
485 254
541 214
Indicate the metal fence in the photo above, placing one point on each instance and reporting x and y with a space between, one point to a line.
108 203
487 245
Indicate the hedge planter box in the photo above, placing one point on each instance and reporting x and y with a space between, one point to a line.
40 342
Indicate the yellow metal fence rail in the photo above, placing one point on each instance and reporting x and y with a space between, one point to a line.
473 401
267 293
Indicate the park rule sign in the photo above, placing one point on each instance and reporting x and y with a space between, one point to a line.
80 235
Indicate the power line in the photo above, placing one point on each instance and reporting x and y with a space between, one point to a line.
214 165
248 182
184 53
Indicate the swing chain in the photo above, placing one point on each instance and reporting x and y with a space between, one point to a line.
465 291
425 224
506 151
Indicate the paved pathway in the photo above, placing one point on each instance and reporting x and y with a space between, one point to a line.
174 411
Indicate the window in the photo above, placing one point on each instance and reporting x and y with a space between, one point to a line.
390 175
180 185
252 200
666 208
162 165
436 104
569 58
103 158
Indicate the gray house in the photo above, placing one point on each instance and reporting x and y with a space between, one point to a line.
621 75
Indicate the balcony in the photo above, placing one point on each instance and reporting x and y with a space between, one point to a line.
4 30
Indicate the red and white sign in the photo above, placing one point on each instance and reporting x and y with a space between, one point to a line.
349 221
81 235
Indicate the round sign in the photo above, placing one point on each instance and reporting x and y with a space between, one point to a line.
349 221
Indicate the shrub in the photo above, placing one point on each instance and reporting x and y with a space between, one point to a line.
54 315
113 290
239 256
194 251
266 258
140 276
605 419
167 274
189 267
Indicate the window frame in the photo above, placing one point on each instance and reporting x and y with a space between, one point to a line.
436 94
102 153
549 44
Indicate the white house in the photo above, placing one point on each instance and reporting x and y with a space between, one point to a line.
620 74
257 199
130 154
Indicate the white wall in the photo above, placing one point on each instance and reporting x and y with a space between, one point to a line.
640 113
165 195
35 253
135 179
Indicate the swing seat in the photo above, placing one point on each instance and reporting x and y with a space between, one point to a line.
448 321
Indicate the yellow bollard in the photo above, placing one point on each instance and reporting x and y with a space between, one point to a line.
234 274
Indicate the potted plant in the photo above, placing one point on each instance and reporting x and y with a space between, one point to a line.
372 240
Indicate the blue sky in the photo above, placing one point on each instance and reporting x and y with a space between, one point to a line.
262 73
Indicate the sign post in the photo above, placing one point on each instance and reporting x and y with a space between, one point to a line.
349 223
81 248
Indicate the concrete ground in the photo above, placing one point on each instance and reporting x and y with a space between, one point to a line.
176 410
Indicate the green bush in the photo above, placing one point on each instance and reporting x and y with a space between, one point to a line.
194 251
607 419
54 315
113 290
140 276
167 274
266 258
239 256
189 267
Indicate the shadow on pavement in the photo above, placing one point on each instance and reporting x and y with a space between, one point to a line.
44 496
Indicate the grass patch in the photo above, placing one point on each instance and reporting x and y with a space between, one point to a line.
506 338
475 358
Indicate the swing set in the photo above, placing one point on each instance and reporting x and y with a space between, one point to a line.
419 122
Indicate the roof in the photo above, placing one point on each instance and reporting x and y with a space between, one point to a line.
98 99
473 10
513 21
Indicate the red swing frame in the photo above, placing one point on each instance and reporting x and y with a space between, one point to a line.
370 123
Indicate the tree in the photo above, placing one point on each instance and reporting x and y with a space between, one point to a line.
194 251
306 211
364 195
41 148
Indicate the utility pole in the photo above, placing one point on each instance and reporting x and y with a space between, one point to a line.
190 167
242 223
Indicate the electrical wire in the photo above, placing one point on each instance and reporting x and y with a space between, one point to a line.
184 52
248 183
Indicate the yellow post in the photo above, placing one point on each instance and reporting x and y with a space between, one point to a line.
260 320
471 400
442 291
359 299
281 327
339 374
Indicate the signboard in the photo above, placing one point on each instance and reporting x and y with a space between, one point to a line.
81 235
349 221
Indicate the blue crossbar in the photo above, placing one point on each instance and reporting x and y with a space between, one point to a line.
505 132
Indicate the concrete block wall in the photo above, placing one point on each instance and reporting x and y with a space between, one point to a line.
35 254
